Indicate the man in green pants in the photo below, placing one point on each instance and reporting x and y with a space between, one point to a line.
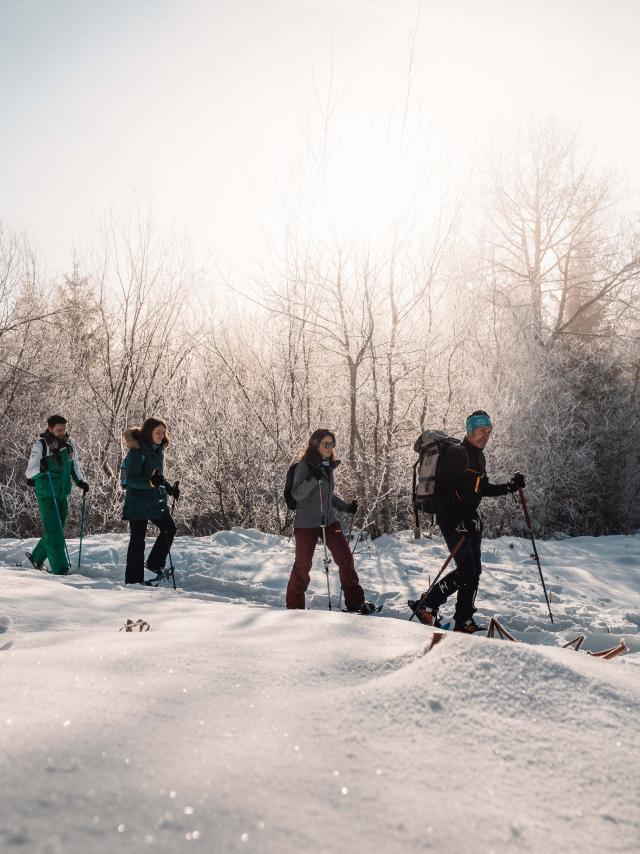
53 464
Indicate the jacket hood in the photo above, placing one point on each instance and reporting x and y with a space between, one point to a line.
55 444
131 438
50 438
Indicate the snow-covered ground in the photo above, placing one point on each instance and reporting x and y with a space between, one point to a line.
235 725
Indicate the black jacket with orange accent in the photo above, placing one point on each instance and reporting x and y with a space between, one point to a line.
462 482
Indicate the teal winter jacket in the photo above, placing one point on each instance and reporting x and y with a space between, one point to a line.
142 500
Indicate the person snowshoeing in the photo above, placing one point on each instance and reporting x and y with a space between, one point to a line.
316 503
461 485
145 499
53 465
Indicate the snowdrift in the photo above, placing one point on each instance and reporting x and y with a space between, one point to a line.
256 729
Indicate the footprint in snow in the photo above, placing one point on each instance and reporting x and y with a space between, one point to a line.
6 626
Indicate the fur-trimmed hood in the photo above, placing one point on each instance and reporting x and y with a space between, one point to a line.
131 438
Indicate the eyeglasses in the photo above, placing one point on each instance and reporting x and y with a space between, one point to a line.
328 444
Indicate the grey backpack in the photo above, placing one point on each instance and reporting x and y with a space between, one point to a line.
430 446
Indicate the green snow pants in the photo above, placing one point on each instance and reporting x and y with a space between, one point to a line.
52 545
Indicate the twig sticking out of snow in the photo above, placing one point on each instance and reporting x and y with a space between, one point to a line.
132 625
436 637
576 643
610 653
495 626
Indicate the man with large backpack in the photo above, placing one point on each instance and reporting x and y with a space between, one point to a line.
53 465
461 483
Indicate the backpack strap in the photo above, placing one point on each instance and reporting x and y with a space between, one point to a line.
45 449
415 506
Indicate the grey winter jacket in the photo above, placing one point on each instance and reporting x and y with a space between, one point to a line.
307 495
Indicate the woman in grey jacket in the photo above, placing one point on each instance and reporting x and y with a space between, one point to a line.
316 503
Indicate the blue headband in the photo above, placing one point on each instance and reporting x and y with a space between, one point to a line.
475 421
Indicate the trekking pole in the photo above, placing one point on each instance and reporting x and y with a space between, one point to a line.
327 559
84 507
290 526
171 567
59 517
527 519
352 551
452 554
357 542
350 529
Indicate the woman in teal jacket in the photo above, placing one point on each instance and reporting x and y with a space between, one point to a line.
146 498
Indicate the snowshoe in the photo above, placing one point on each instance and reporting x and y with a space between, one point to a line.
469 627
35 565
365 609
162 576
159 572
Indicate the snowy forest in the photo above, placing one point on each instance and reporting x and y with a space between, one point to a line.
230 233
521 297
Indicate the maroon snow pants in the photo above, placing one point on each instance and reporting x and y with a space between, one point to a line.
306 539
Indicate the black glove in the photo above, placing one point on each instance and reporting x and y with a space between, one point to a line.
84 486
157 479
353 507
44 464
173 490
31 482
468 527
516 482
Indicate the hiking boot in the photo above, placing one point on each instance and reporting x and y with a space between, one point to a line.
469 627
368 608
426 616
365 608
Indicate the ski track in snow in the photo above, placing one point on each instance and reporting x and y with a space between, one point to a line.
238 726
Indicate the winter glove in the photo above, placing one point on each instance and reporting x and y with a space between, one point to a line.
44 465
516 482
157 479
84 486
468 527
353 507
316 472
173 490
31 482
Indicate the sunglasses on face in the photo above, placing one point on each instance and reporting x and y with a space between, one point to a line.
328 444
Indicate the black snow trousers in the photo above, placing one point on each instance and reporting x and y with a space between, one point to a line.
465 577
157 557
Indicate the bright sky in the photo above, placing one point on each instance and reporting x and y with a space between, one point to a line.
202 107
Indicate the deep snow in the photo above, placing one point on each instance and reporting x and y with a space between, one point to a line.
237 726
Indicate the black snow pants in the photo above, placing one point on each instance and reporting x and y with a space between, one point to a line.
157 557
464 578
